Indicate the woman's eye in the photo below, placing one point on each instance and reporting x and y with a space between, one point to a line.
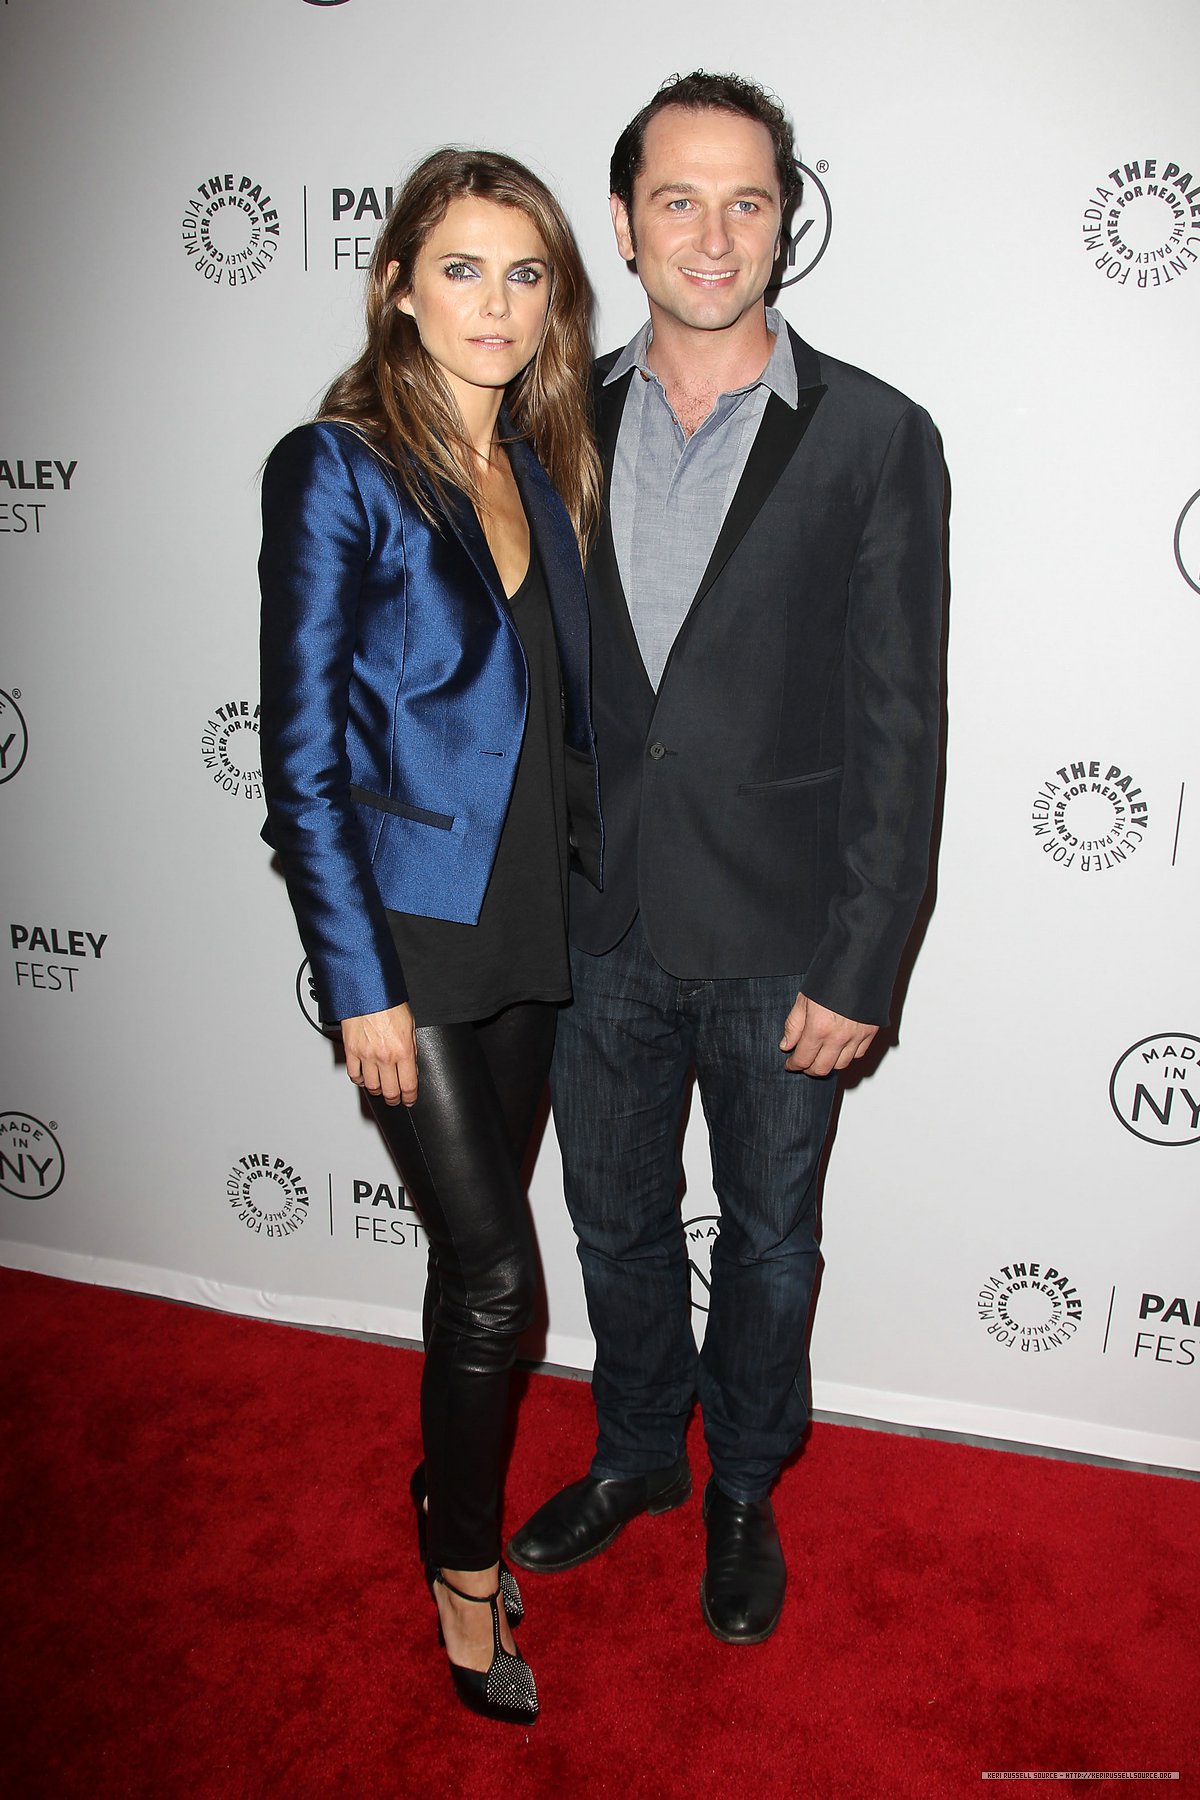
526 276
459 271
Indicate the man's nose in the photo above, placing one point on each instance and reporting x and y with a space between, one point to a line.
715 238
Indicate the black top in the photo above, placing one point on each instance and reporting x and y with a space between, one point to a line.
518 950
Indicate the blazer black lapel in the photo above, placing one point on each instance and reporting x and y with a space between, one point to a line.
603 572
609 404
775 444
553 539
460 516
549 526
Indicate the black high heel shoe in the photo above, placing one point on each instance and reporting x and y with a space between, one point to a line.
505 1690
514 1606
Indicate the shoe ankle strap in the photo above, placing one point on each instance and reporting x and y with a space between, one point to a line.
476 1599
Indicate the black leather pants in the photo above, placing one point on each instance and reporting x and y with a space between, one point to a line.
459 1151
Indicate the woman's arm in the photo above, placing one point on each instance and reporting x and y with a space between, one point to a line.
316 546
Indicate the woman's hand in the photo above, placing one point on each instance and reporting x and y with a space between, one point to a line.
381 1053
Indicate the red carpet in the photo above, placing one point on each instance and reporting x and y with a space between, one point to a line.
210 1589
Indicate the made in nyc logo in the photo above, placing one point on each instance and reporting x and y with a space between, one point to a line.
306 996
1144 221
14 735
810 227
38 475
1030 1306
1090 816
1187 543
700 1234
1154 1088
31 1158
229 745
230 230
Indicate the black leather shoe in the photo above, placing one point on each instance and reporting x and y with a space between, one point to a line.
741 1590
583 1519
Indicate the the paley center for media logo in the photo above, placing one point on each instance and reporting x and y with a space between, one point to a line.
1142 223
230 229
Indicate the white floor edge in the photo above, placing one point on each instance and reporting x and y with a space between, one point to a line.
946 1418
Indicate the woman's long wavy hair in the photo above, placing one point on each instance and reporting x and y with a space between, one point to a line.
396 395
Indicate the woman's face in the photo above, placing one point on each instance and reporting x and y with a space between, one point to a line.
479 295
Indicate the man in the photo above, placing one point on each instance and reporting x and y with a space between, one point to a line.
766 601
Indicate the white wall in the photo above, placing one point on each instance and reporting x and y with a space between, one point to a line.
960 147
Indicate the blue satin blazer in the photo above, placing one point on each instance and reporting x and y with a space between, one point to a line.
394 695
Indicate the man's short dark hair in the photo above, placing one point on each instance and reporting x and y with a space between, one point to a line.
727 93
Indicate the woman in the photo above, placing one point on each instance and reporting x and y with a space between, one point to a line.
430 770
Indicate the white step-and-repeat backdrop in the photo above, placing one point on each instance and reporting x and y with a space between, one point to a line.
1003 219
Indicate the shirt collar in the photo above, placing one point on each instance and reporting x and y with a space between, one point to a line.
779 374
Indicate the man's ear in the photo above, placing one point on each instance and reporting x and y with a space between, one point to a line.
622 226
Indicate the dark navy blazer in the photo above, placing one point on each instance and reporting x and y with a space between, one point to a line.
768 808
394 695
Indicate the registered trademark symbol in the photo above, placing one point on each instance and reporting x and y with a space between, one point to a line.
16 693
54 1124
822 167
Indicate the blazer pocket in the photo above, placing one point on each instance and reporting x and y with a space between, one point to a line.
789 782
381 803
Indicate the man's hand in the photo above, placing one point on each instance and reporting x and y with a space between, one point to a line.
381 1053
821 1041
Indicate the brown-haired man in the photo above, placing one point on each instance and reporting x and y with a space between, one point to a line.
766 598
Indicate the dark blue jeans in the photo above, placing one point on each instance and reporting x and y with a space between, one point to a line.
618 1084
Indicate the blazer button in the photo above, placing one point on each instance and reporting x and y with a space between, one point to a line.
658 751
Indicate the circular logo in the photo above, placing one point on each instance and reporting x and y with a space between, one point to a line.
1187 543
1155 1088
230 230
31 1158
1030 1306
1143 221
14 737
1090 816
267 1195
811 226
700 1235
306 994
231 749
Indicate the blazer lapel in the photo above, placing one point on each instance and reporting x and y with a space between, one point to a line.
553 539
776 441
778 437
461 517
603 572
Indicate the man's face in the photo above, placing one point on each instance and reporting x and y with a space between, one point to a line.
706 217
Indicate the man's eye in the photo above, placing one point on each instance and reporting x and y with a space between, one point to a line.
678 205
